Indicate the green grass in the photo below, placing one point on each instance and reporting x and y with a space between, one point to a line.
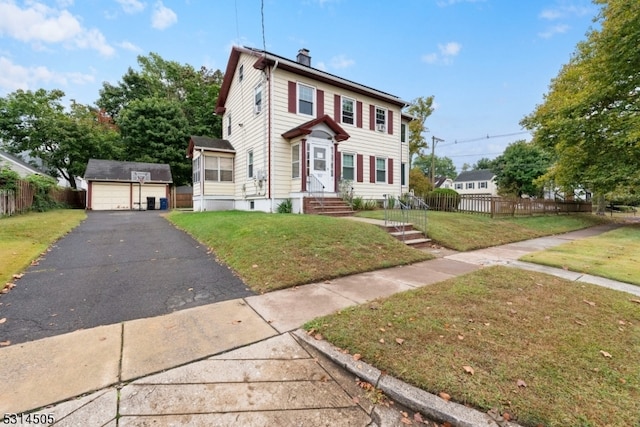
465 232
25 237
508 325
614 255
275 251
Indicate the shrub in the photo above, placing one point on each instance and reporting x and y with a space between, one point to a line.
42 198
285 207
357 203
443 199
8 179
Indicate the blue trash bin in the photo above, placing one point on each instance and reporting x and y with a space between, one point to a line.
164 203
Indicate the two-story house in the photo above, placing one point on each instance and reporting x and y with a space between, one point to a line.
477 182
291 130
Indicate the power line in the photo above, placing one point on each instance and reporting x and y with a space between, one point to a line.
484 138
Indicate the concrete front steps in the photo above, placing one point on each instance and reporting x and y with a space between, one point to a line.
413 238
330 206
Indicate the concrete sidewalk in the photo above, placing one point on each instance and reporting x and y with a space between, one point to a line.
240 362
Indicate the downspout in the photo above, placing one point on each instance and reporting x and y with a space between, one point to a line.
271 157
201 180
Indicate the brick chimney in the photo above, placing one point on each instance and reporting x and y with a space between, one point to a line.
303 57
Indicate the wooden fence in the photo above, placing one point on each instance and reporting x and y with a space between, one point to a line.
500 207
21 200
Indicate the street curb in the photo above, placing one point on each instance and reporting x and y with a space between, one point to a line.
407 395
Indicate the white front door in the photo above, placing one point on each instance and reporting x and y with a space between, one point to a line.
321 163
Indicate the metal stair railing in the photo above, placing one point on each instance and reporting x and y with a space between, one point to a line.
405 210
316 190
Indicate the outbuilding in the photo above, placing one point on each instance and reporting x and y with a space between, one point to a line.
115 185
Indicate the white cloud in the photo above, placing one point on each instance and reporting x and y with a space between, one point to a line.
445 3
341 61
14 77
565 11
321 66
126 45
447 52
131 6
556 29
39 24
162 17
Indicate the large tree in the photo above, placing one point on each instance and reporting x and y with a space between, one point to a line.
443 166
420 108
195 91
590 117
63 140
154 130
519 168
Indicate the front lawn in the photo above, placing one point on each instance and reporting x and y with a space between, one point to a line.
543 350
275 251
465 232
614 255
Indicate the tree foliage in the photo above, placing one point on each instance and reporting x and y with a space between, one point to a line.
519 167
420 108
62 139
419 183
154 130
482 164
443 165
590 116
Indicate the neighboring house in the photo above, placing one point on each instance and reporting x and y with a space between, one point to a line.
477 182
443 182
291 130
113 185
19 166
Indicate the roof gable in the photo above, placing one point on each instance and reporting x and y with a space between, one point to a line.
477 175
307 128
265 59
209 144
112 170
21 164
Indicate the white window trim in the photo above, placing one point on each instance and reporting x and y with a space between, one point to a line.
313 102
250 164
294 161
381 127
355 106
386 168
355 165
257 108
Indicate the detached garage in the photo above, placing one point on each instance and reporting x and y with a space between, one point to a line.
114 185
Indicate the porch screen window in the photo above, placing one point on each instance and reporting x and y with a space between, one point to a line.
381 169
305 99
196 169
295 161
218 169
348 110
348 167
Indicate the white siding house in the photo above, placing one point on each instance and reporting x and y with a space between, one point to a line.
290 129
478 182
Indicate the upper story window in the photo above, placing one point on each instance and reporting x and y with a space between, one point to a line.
348 110
482 184
470 185
306 99
257 99
241 73
403 132
228 124
381 119
458 186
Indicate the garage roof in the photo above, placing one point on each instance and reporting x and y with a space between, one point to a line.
112 170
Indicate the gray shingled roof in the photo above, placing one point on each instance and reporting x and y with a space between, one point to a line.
212 143
22 163
477 175
112 170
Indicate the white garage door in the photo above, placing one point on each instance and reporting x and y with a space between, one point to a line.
157 191
106 196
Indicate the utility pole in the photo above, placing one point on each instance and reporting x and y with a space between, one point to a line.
434 141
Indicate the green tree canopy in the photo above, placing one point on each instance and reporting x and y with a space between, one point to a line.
419 183
420 108
443 166
63 140
154 130
590 116
482 164
519 167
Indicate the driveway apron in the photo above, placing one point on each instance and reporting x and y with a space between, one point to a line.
113 267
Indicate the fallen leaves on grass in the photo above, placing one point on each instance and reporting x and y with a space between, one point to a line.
444 396
605 354
521 383
637 301
591 303
357 357
468 369
399 340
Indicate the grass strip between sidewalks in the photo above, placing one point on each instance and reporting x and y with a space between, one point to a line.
544 350
614 255
24 237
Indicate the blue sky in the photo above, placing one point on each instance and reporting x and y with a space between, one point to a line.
488 63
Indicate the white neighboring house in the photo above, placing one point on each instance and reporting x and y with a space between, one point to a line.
290 130
19 166
477 182
443 182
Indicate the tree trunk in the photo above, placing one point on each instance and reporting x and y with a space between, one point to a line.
600 204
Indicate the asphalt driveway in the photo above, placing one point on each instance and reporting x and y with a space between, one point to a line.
114 266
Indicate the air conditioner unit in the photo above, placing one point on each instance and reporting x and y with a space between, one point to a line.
257 108
381 127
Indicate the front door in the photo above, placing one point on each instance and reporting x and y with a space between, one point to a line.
321 163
